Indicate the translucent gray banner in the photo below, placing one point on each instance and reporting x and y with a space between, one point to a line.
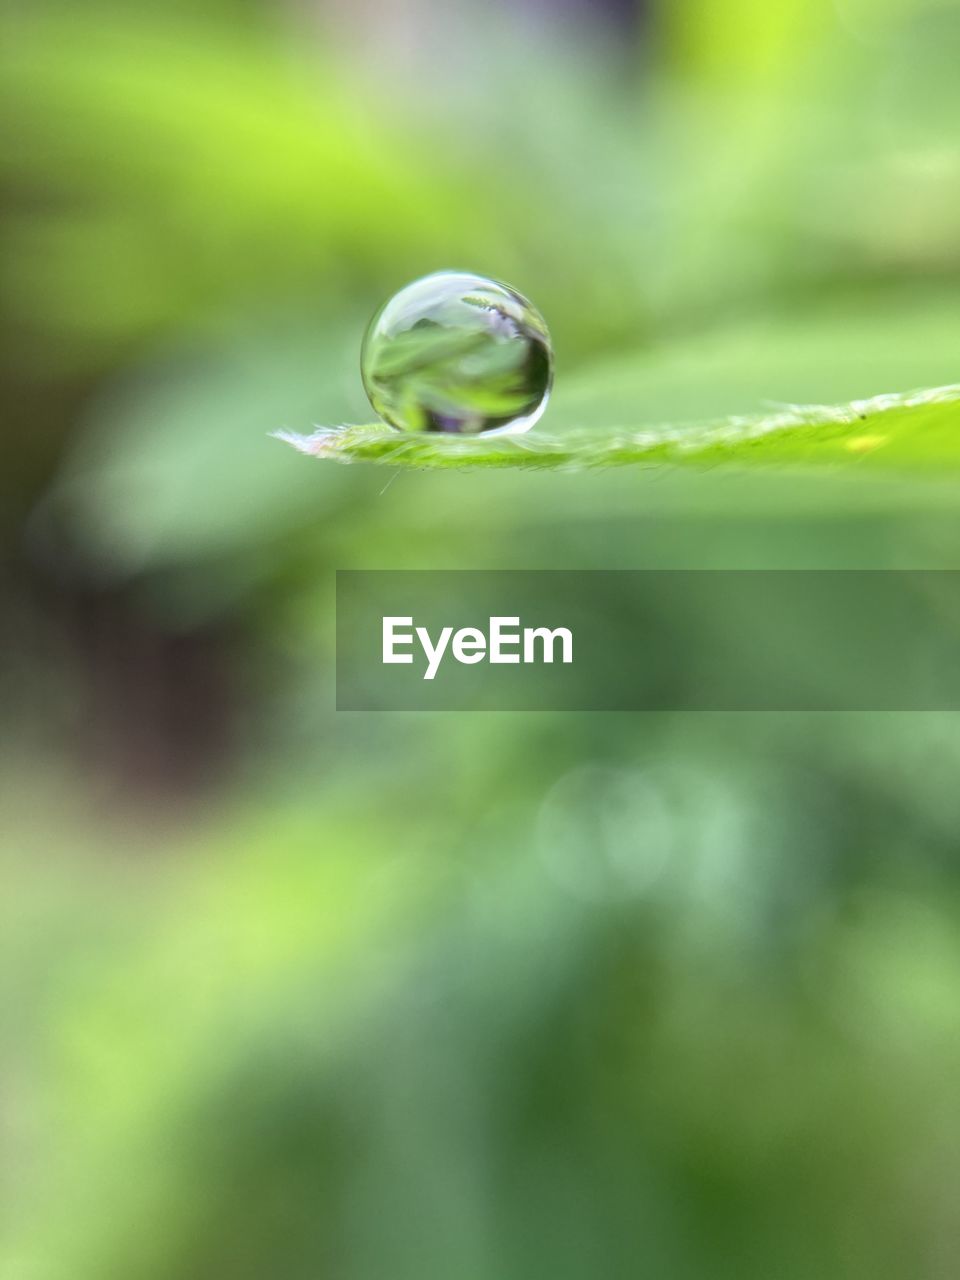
751 640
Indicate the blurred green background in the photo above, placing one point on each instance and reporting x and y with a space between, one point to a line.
289 994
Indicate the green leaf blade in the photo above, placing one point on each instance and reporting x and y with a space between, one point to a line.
918 430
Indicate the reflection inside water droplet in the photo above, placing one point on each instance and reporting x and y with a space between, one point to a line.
458 353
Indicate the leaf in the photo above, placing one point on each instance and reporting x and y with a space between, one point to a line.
919 429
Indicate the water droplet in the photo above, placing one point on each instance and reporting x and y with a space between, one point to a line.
458 353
